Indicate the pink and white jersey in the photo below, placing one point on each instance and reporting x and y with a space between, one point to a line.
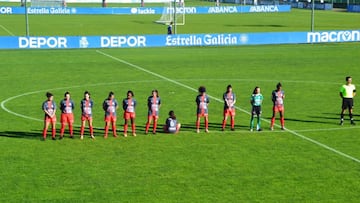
49 106
67 106
86 107
110 106
278 97
129 105
153 105
229 98
202 104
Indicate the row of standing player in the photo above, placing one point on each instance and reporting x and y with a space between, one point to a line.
256 100
347 93
110 106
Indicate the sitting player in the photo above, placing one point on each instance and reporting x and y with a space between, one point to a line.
171 125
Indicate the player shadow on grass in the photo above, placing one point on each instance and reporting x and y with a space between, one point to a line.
306 120
19 134
334 117
212 127
99 131
331 119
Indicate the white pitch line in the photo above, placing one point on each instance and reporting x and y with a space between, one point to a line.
323 145
326 129
21 95
147 71
8 31
40 91
219 100
14 113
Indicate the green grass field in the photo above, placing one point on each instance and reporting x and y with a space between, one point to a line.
314 160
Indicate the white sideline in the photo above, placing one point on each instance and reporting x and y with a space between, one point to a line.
219 100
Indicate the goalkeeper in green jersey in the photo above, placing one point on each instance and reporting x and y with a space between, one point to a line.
256 101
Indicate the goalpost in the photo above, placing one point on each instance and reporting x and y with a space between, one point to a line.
174 11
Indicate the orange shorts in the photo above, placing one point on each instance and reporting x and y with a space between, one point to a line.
48 119
153 117
86 118
202 114
278 109
110 119
129 115
67 118
229 112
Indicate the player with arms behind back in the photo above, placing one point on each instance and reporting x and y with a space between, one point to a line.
154 103
129 104
67 115
256 101
347 93
278 96
110 106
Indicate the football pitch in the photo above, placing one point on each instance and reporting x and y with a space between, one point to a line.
313 160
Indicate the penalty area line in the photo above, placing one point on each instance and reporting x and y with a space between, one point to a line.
219 100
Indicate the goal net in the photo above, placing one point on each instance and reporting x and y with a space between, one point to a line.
48 3
174 11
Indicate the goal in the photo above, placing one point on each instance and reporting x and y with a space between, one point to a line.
48 3
174 11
